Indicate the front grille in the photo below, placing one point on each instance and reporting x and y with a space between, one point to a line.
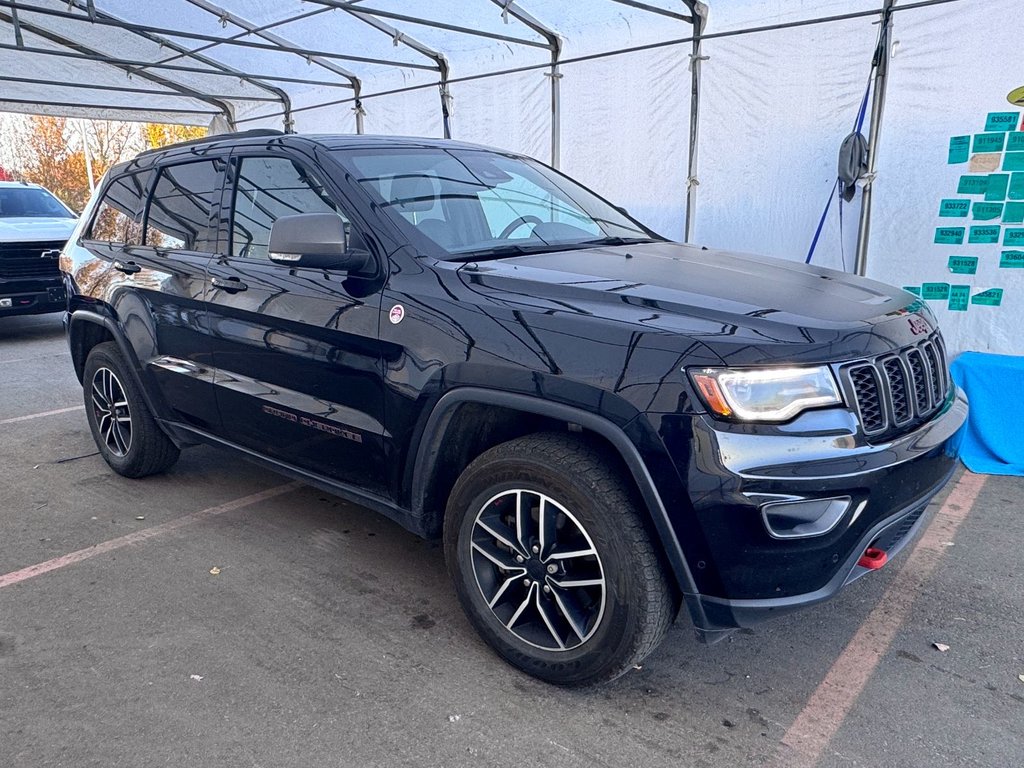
895 392
25 261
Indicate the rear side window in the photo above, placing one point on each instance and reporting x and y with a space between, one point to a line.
118 218
266 189
182 205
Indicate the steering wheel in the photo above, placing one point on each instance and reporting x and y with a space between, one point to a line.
517 223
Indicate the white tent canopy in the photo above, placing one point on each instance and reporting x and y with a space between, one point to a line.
721 127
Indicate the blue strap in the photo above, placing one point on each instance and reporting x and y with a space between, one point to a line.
861 114
821 223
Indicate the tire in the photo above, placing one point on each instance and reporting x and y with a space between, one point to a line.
580 632
127 436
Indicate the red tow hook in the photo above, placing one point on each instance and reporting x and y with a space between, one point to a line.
873 558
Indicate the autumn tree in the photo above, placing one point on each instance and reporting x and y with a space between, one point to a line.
162 134
48 159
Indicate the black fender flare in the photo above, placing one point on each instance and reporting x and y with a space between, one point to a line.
80 316
429 446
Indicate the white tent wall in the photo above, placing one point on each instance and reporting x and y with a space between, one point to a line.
626 132
775 107
937 91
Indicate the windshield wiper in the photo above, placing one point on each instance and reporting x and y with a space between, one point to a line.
619 241
501 251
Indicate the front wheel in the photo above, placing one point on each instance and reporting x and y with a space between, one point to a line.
125 432
552 562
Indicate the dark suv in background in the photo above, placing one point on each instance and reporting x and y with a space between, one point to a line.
603 425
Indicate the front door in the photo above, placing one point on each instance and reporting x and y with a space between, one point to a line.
298 363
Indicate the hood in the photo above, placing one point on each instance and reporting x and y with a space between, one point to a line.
28 229
727 300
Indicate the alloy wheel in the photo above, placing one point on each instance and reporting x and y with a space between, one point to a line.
538 570
113 417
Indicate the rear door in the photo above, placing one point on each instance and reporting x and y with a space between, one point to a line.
150 239
299 370
179 238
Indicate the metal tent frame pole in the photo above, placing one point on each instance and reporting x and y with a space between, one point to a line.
699 14
554 45
400 38
221 106
881 66
226 16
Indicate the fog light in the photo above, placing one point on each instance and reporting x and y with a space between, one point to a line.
801 519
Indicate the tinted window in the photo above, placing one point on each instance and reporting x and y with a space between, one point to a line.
181 206
266 189
119 215
31 202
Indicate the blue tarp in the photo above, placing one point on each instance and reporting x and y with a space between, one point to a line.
993 442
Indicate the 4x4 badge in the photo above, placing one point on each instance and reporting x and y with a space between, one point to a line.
397 314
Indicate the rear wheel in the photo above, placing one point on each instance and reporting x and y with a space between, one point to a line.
125 432
552 562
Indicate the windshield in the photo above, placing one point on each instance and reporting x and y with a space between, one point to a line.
31 202
464 204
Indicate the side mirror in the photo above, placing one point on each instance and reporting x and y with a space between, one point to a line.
318 241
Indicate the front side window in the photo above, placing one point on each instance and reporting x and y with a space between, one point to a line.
118 217
181 207
473 203
267 188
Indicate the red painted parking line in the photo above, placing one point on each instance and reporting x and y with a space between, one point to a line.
16 419
14 577
835 696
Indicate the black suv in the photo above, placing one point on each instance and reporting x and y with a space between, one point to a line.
602 425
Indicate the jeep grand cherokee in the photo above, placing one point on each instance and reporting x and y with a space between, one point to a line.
602 425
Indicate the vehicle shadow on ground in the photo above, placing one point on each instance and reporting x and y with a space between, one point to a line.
357 563
24 330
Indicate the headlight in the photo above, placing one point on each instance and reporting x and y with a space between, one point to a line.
765 394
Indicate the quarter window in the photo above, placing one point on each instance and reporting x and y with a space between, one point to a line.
118 218
181 207
266 189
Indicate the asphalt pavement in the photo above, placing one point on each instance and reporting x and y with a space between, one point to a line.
220 615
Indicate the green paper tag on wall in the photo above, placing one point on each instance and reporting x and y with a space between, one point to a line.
993 297
987 211
963 265
1014 237
935 291
1013 161
949 235
1002 121
986 234
1013 213
1011 260
972 185
954 208
1016 190
989 142
914 289
997 183
959 149
1014 142
959 297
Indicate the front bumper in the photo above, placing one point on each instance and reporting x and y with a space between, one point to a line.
36 302
744 573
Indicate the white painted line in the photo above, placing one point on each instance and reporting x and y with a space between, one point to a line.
31 416
14 577
834 698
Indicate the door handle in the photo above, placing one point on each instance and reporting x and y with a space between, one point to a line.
230 284
128 267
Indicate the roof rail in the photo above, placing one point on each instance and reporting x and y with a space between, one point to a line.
252 133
